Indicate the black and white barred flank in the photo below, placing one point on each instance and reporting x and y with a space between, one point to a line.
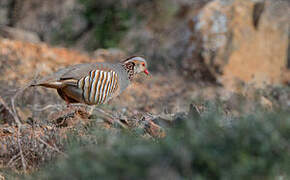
99 86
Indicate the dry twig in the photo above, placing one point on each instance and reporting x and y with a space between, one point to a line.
14 158
18 122
114 118
50 106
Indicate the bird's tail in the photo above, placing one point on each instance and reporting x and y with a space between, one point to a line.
54 85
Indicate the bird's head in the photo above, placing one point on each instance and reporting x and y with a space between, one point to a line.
135 65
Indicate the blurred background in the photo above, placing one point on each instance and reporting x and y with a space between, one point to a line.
232 53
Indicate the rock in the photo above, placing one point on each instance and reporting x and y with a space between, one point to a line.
18 34
266 103
111 54
49 18
4 11
238 41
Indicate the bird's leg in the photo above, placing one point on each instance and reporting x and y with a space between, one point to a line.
68 105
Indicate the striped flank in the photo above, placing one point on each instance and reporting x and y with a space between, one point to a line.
98 86
94 86
99 81
101 91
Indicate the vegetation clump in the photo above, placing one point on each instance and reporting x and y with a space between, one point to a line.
210 145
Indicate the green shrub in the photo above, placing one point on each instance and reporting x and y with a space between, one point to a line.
109 20
103 24
212 146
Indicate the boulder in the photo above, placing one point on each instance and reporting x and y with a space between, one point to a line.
4 11
241 41
49 19
18 34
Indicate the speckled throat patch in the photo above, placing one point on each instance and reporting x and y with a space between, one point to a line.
129 67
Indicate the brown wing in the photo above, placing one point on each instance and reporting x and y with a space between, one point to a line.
70 74
78 71
81 70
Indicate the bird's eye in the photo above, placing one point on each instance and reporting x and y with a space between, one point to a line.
143 64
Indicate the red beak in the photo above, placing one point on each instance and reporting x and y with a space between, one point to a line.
146 72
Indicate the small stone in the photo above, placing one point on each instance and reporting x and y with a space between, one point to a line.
266 103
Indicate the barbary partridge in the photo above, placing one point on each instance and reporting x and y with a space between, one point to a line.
94 83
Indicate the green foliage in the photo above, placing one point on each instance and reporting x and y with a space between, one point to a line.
109 21
210 146
65 34
98 24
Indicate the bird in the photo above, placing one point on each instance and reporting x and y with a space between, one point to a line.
94 83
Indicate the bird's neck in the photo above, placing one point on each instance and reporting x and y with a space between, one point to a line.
129 68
